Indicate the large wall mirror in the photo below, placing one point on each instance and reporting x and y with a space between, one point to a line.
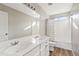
14 24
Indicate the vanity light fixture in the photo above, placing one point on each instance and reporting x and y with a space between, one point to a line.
30 6
36 15
34 9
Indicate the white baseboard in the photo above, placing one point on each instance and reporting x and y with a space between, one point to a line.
63 45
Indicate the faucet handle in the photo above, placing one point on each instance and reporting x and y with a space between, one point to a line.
6 34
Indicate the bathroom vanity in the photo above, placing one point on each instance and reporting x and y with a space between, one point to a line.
25 46
24 27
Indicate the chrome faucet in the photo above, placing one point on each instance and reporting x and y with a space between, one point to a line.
14 43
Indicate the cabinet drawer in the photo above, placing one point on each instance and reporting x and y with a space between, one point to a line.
34 52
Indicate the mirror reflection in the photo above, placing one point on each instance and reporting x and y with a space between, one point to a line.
14 24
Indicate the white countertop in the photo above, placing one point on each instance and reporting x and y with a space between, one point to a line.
24 46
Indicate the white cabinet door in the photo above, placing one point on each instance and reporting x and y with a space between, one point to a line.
41 50
34 52
45 48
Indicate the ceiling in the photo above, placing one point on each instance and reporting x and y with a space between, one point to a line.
55 8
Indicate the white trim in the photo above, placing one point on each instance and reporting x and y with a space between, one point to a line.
64 45
73 53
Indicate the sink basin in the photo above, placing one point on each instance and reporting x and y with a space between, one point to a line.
15 50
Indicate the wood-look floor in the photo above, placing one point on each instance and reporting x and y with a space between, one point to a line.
61 52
